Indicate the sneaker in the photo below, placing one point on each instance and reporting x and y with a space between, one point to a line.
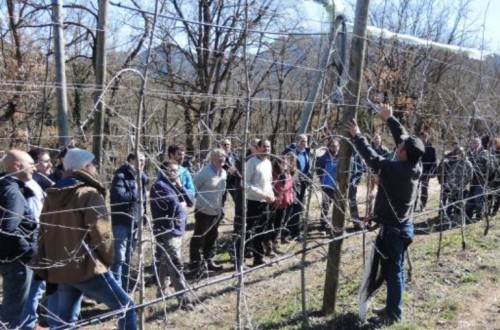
382 320
214 267
39 327
194 272
186 304
88 302
269 250
258 262
285 240
379 311
160 294
248 254
276 248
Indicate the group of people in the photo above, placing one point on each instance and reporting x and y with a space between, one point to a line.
470 180
59 239
56 239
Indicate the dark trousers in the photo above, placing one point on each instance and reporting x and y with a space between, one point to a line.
204 236
424 191
353 202
257 223
326 201
237 195
276 224
293 223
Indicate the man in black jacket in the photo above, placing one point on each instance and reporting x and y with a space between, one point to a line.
125 213
397 191
233 167
429 163
17 235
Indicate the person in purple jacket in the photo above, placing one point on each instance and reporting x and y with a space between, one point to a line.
169 200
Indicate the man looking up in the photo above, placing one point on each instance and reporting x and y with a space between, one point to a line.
17 235
393 211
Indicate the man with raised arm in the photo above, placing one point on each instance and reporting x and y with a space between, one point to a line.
393 212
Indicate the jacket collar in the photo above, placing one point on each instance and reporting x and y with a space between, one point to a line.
85 178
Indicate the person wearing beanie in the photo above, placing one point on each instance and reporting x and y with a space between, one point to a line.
76 236
393 211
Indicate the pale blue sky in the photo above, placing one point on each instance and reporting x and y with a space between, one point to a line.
316 13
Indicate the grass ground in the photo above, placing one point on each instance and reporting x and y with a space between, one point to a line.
460 290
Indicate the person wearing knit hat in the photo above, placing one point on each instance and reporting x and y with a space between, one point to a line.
77 159
77 236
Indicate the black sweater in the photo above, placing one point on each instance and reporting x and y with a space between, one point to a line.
398 180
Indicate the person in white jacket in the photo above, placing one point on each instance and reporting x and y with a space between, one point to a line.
259 189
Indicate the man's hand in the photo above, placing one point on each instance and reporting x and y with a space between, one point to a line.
352 128
270 199
385 111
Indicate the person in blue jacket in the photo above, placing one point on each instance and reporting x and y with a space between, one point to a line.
125 213
326 168
169 200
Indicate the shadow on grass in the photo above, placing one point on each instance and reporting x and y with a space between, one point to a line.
348 321
432 225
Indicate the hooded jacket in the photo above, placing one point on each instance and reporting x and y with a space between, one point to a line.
17 221
76 240
124 196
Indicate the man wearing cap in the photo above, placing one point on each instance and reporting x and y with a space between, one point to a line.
397 191
76 243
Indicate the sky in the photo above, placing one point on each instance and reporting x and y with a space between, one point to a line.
316 13
492 26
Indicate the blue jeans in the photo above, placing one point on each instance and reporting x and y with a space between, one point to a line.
16 283
393 245
103 288
123 243
29 315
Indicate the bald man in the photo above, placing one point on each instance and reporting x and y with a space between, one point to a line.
17 235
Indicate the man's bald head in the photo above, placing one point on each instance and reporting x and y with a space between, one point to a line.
19 164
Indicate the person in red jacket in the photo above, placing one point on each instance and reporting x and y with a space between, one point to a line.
283 191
